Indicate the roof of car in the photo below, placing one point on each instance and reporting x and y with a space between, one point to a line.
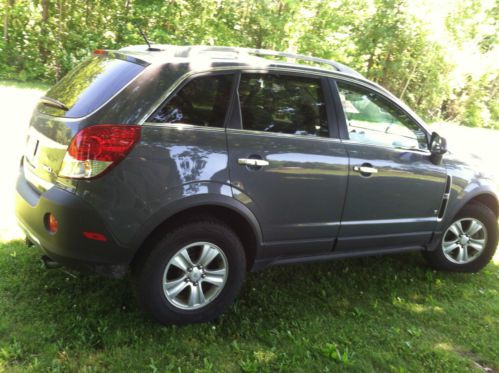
202 58
217 55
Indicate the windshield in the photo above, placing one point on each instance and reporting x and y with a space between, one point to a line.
89 85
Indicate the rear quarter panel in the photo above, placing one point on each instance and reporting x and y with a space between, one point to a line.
171 163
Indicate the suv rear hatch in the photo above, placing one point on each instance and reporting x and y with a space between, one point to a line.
65 108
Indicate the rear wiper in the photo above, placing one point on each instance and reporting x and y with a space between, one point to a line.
53 102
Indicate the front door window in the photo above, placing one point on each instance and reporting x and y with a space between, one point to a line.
371 119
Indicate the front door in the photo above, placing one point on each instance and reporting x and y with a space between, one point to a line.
283 163
394 190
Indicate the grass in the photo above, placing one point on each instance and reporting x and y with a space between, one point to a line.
373 314
387 314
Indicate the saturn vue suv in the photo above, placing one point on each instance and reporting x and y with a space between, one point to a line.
189 166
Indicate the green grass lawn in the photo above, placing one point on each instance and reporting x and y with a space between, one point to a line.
375 314
382 314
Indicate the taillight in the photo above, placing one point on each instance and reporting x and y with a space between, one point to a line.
97 148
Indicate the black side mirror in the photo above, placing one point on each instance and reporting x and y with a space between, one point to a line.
438 147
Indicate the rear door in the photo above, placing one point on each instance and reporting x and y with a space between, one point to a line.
394 190
285 163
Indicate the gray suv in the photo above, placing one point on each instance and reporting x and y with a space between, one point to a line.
191 165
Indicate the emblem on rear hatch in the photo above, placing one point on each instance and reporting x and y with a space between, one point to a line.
46 168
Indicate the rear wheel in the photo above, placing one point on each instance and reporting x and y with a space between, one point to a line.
192 275
468 243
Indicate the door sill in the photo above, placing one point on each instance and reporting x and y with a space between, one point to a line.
264 263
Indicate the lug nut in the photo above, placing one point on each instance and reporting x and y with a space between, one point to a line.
189 269
203 275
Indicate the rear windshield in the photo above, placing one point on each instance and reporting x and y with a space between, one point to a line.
89 85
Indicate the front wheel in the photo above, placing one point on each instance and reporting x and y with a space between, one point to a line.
469 242
192 275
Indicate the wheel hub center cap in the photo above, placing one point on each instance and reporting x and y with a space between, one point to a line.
464 240
195 275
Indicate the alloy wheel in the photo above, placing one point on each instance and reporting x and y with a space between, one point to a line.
195 275
464 240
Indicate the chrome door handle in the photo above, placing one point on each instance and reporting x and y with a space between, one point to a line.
252 162
365 169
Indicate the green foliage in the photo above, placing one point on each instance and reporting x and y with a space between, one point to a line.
432 55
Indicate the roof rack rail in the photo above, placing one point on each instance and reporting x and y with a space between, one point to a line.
271 53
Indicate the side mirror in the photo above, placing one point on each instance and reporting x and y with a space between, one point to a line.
438 147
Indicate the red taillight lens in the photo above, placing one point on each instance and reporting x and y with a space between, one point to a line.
94 149
106 143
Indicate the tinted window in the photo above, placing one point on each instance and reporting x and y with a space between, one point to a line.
285 104
90 85
203 102
372 119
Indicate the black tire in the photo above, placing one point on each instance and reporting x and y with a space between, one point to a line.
147 272
439 261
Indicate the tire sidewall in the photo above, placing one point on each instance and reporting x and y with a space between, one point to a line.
489 220
150 281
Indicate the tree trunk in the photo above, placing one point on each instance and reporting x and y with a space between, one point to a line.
59 21
9 4
6 24
45 11
44 53
370 62
384 71
58 69
409 78
120 30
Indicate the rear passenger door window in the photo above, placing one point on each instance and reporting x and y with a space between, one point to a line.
202 101
283 104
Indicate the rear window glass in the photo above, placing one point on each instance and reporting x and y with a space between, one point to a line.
89 85
202 102
284 104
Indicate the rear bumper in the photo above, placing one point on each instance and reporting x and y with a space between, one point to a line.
68 246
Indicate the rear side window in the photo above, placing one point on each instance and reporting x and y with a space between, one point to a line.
284 104
202 101
89 85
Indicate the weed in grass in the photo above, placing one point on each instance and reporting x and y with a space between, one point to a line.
332 351
12 353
